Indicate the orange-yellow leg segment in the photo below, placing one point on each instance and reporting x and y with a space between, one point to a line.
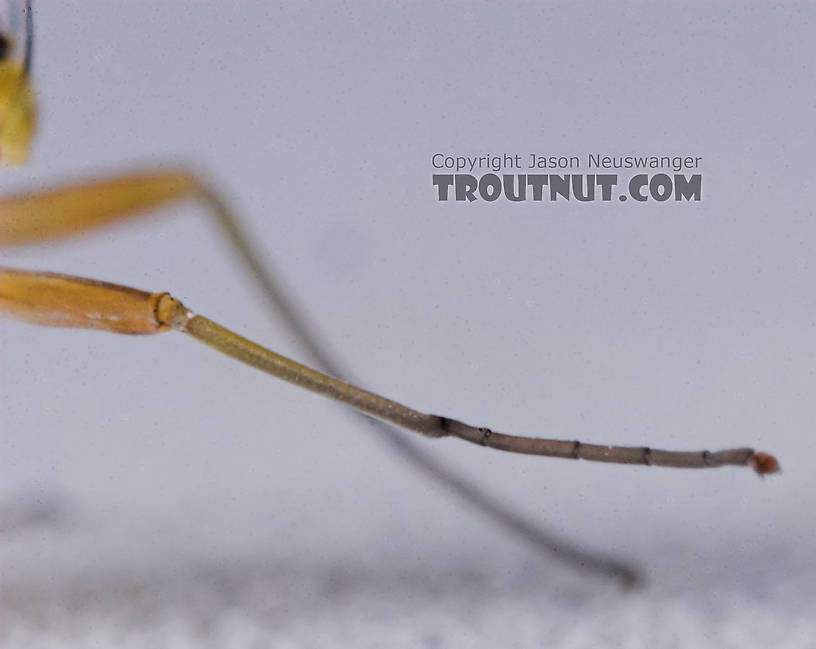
77 208
56 300
74 209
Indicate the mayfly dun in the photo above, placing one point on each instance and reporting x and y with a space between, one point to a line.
59 300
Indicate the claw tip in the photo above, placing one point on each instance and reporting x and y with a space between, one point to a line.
764 463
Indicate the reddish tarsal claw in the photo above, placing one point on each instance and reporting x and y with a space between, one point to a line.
764 463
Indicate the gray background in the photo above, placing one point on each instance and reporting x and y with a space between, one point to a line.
206 502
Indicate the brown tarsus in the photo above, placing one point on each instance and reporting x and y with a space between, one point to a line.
762 463
178 317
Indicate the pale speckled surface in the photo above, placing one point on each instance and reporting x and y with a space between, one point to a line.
208 506
244 601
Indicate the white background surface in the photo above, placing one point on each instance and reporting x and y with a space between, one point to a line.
207 503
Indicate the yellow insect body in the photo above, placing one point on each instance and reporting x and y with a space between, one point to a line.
18 113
